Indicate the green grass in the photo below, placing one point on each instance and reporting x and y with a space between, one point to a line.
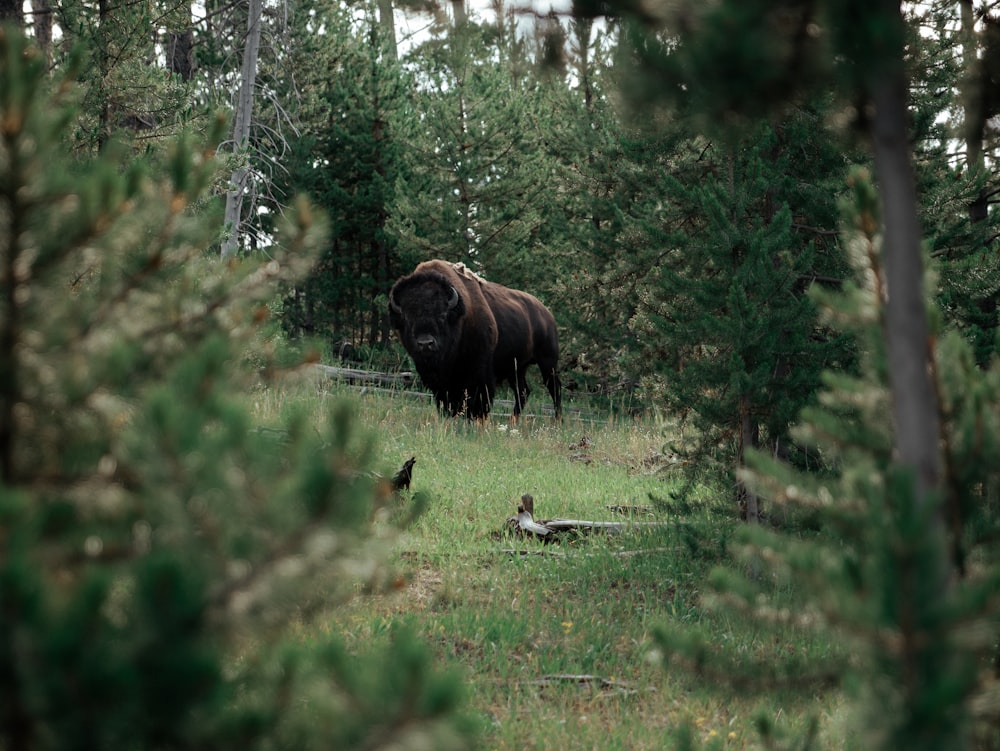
506 621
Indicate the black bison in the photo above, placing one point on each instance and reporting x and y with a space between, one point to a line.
466 335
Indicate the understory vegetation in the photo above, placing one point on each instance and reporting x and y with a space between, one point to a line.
555 644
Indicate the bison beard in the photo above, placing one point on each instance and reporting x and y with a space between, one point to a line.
465 335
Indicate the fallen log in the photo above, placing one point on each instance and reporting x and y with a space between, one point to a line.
527 525
585 525
524 524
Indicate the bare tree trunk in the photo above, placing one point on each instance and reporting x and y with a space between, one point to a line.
241 129
380 330
180 44
104 128
180 53
388 25
972 101
459 13
914 408
583 29
974 110
41 11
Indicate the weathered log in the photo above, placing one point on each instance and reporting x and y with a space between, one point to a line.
528 525
585 525
524 523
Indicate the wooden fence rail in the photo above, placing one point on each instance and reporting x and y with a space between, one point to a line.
397 382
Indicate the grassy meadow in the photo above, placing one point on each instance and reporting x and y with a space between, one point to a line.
509 614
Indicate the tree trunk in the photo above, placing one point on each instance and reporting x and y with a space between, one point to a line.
972 99
914 402
915 409
104 128
583 29
41 11
380 331
11 13
973 109
180 53
241 129
749 502
387 23
459 13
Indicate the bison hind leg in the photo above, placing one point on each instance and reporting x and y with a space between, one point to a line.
551 378
516 377
521 390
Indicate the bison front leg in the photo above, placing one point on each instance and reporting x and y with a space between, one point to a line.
481 400
473 400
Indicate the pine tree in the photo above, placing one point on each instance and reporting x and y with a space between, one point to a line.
957 189
609 169
127 95
735 336
884 575
478 177
153 545
699 248
913 656
347 158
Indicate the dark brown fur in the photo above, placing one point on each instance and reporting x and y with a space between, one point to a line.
464 343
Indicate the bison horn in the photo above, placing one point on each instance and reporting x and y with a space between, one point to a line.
453 300
393 305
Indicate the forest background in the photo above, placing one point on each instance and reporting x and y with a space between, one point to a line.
553 154
681 187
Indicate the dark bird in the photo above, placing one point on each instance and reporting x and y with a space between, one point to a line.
403 477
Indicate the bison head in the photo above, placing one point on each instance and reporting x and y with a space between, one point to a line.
426 310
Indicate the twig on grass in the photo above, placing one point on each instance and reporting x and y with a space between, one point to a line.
512 552
593 681
630 510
